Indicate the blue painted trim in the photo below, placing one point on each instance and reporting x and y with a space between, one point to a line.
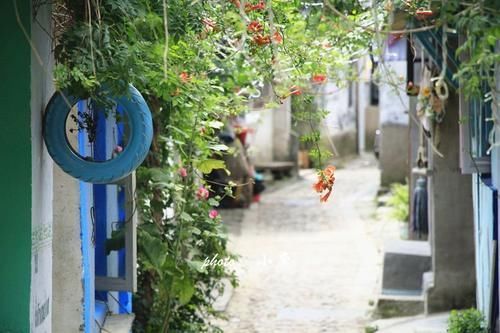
100 206
86 238
101 310
125 298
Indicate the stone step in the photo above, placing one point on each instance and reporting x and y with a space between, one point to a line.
397 305
405 263
418 324
118 323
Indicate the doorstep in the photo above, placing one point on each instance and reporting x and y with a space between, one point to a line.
437 323
121 323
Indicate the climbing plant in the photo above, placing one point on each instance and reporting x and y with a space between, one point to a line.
197 63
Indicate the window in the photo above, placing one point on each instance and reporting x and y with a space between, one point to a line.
108 220
474 132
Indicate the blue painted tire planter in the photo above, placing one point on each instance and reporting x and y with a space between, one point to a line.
110 171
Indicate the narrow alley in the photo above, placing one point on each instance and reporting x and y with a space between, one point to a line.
308 267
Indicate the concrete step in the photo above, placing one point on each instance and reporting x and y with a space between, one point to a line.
419 324
405 262
118 323
397 305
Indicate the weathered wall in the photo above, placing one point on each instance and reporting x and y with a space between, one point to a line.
41 91
282 124
393 106
339 126
15 169
393 153
261 140
364 67
451 223
271 139
67 315
372 115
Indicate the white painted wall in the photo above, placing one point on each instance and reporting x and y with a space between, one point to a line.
41 260
261 140
282 126
67 307
341 117
393 101
363 96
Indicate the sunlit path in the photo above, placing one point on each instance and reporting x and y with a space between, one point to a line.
307 266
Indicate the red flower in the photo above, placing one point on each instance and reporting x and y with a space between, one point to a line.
185 77
183 172
326 179
261 40
294 90
278 38
236 3
259 6
255 27
319 78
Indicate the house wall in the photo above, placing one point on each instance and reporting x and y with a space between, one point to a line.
15 169
393 106
271 137
261 140
451 222
67 315
340 123
282 124
365 118
371 125
41 91
393 126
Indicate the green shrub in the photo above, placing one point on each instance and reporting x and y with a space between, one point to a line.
399 201
466 321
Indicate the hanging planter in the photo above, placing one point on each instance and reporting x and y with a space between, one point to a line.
124 158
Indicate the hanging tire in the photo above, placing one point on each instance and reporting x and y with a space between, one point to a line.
110 171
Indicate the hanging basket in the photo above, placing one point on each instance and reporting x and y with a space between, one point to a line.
100 172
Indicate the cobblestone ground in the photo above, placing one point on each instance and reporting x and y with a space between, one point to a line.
307 267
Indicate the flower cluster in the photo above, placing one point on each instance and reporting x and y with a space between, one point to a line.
319 78
202 193
326 179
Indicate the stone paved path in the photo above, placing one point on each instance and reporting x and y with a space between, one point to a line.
307 267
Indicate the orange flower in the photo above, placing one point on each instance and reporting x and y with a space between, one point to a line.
261 40
260 6
295 90
236 3
278 38
185 77
255 27
326 179
319 78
